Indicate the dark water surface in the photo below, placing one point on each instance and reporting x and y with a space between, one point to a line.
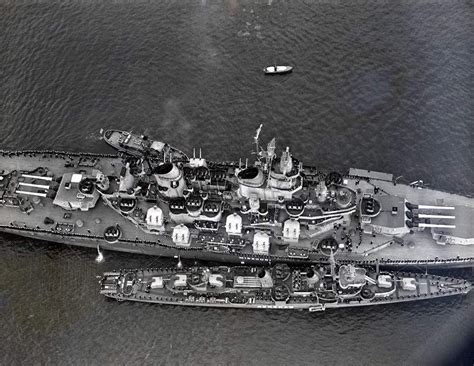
382 85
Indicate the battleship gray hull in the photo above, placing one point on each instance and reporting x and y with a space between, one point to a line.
276 211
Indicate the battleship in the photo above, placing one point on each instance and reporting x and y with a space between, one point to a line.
152 198
313 288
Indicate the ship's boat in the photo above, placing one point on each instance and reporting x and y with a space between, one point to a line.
153 199
275 69
140 145
314 288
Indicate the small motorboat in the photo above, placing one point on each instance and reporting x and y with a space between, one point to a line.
277 69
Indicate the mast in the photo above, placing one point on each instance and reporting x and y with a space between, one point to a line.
332 263
145 158
255 139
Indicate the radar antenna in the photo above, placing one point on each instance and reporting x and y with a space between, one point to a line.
271 146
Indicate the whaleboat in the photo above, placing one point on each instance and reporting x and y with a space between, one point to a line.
277 69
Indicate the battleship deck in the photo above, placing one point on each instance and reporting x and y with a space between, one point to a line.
86 228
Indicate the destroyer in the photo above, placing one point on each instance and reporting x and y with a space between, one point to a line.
314 288
152 198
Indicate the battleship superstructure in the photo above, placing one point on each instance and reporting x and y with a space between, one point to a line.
152 198
313 288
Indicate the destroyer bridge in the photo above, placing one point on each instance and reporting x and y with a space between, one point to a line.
314 288
152 198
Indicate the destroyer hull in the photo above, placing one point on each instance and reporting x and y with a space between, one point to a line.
309 307
281 287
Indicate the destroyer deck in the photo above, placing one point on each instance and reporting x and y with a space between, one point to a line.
313 288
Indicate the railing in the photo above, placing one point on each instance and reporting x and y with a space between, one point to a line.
253 257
